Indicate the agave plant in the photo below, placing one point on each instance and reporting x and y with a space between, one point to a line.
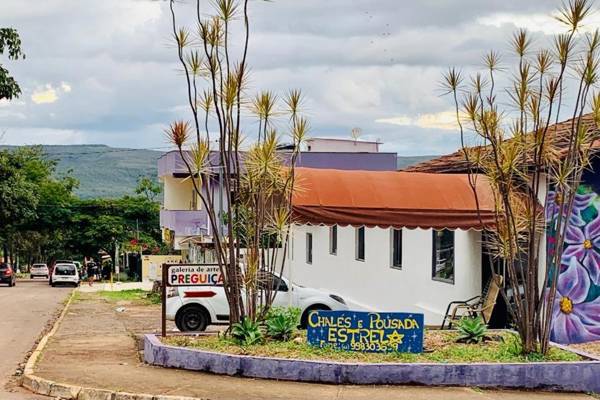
472 330
282 322
247 332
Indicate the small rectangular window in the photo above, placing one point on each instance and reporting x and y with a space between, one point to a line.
443 256
309 249
396 246
333 239
360 243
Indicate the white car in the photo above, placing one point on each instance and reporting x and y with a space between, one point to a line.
193 308
39 270
65 274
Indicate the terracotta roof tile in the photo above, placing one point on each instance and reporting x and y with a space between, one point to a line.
456 163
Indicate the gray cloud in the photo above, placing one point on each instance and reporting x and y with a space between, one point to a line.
356 60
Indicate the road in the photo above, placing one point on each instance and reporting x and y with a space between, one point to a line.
26 308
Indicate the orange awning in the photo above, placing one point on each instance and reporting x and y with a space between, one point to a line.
397 199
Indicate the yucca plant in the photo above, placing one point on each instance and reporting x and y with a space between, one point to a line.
282 322
471 330
521 155
257 183
247 332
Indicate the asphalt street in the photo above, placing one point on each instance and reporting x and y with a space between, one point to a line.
26 309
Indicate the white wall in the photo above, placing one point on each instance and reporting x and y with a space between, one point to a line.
336 145
373 284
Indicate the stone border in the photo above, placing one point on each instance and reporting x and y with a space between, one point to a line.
53 389
555 376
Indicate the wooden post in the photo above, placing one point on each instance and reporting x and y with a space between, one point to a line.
165 267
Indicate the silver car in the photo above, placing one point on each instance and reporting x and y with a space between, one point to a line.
39 270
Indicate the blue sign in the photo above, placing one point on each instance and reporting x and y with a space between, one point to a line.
380 332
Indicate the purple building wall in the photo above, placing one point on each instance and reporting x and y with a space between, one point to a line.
171 162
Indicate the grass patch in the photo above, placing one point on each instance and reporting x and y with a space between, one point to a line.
441 347
133 295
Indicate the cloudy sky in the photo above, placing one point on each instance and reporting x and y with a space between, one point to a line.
106 72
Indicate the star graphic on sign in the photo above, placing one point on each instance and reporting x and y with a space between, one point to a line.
395 338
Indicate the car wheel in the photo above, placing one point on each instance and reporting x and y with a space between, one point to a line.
304 318
53 284
192 318
30 276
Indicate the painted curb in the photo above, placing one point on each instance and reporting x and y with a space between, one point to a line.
555 376
64 391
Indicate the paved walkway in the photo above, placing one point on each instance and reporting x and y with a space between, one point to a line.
95 347
114 287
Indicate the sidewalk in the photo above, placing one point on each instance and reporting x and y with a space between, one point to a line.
95 347
115 286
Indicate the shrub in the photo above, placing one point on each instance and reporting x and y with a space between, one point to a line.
247 332
472 330
281 322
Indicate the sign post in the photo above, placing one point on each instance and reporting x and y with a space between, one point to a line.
163 296
175 275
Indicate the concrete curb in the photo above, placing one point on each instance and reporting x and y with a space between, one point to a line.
555 376
46 387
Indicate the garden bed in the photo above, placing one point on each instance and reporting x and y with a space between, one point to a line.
272 361
440 347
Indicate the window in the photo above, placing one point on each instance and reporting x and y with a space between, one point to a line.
396 237
309 248
360 243
333 240
443 256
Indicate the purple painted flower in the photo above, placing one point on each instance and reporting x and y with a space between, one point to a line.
580 203
583 242
574 321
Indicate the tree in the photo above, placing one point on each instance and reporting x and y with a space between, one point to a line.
520 154
99 224
10 42
148 188
18 196
36 217
257 184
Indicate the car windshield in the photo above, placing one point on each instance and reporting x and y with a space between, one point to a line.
39 265
64 270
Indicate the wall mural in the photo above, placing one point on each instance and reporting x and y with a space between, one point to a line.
576 312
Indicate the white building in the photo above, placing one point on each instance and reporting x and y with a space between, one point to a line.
339 145
389 241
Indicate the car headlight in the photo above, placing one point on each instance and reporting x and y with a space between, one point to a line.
337 298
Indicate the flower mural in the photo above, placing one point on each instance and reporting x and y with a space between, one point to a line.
576 312
581 202
583 243
575 320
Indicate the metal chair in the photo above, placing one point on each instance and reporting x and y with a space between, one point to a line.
482 306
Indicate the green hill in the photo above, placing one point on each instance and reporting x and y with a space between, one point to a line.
104 171
407 161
